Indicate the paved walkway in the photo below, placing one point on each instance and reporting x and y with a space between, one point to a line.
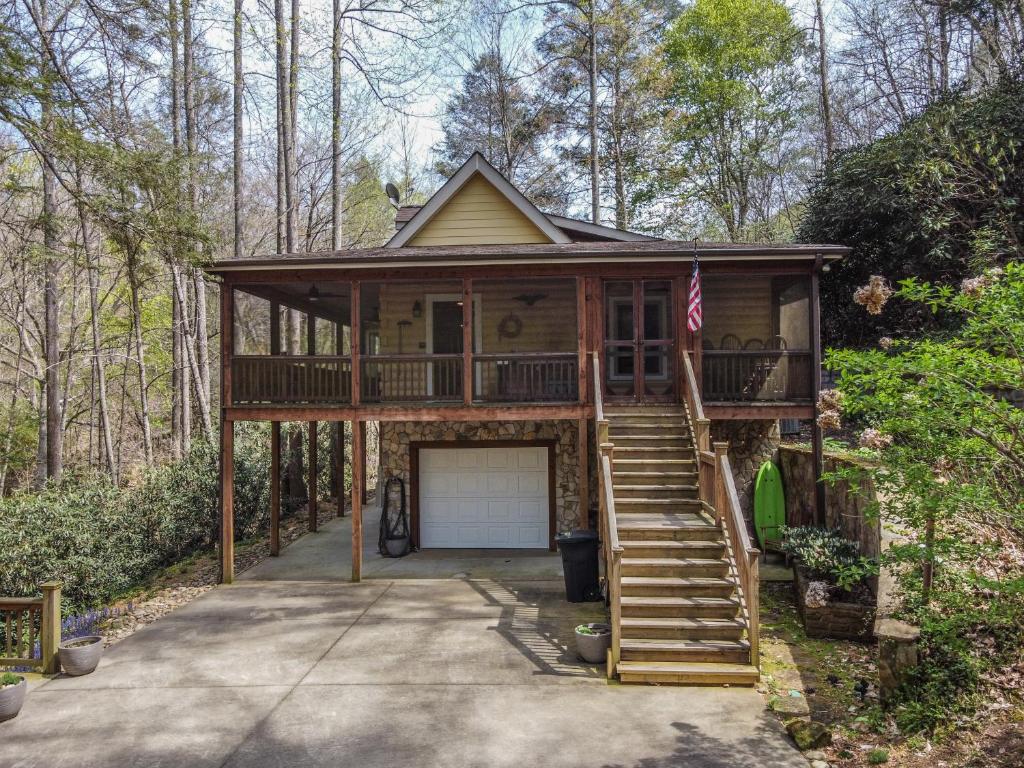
390 672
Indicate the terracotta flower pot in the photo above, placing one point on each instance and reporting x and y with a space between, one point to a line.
11 699
81 655
593 646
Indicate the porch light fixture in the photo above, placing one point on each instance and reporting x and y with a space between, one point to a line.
529 299
417 309
314 293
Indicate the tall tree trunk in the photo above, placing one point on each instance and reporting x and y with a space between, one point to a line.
336 126
99 368
51 270
238 86
595 171
192 361
823 84
180 393
293 119
140 362
201 338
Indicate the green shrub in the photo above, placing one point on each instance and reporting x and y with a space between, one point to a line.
827 556
100 540
878 756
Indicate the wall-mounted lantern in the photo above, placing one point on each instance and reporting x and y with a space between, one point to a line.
417 309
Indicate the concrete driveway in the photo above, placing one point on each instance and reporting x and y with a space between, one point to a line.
390 672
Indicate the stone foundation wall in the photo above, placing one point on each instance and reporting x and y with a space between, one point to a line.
751 443
846 504
396 436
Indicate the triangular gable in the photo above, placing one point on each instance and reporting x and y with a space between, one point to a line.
478 206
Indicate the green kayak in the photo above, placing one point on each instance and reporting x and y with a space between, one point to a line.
769 506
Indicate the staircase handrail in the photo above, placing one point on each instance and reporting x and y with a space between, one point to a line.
746 555
701 425
612 549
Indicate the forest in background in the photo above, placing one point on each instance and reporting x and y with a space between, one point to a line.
140 141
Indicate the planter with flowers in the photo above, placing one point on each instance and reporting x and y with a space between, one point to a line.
832 583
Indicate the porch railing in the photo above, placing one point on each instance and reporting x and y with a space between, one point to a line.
718 494
291 379
411 378
31 630
526 377
764 374
608 527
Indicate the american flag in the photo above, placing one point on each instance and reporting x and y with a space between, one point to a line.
695 310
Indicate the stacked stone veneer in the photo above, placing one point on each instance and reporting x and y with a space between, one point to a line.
396 436
751 443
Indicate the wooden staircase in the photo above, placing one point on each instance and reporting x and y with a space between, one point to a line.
677 601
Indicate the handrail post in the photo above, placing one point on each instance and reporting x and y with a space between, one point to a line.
754 606
49 640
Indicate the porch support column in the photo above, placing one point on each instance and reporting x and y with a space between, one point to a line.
227 439
681 334
467 341
581 339
227 501
314 467
275 488
358 464
817 452
275 443
583 481
339 467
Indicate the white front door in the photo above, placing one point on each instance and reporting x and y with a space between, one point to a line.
484 497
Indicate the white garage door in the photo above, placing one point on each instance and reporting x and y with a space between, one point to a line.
483 497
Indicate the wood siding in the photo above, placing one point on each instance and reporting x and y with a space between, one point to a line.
479 214
740 307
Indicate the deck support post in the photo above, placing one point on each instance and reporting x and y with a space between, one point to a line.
275 488
339 468
581 340
358 464
227 501
817 448
583 481
49 640
314 472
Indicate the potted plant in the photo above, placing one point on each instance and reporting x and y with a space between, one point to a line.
831 580
12 695
593 642
80 655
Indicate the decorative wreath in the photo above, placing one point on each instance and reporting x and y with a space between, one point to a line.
510 327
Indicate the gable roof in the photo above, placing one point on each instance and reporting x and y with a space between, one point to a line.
476 165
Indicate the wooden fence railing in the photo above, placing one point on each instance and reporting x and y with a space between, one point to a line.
31 629
766 374
701 425
411 378
291 379
718 493
527 377
609 531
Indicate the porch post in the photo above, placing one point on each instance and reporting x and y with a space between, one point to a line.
275 488
817 452
583 481
339 347
581 339
275 443
227 438
358 462
467 341
227 501
354 343
313 463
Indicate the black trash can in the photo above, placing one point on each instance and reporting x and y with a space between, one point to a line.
579 564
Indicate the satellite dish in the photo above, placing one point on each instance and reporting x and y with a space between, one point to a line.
393 195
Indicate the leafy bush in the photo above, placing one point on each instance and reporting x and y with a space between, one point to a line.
827 556
100 540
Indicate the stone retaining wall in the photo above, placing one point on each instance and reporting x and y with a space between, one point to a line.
751 443
845 506
396 436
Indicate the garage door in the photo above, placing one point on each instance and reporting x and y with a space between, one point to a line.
484 497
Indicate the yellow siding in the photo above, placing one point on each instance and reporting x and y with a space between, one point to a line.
738 306
478 214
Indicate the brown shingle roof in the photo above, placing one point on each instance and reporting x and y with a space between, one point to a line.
582 251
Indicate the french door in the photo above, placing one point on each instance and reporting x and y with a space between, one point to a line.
638 341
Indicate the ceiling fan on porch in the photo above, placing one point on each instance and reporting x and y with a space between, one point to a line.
315 294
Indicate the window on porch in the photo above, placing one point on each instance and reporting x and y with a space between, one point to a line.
757 339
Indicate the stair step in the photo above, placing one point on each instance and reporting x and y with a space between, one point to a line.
681 628
623 441
716 651
701 548
687 673
657 425
673 566
634 475
666 526
704 607
675 491
633 506
646 464
677 586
